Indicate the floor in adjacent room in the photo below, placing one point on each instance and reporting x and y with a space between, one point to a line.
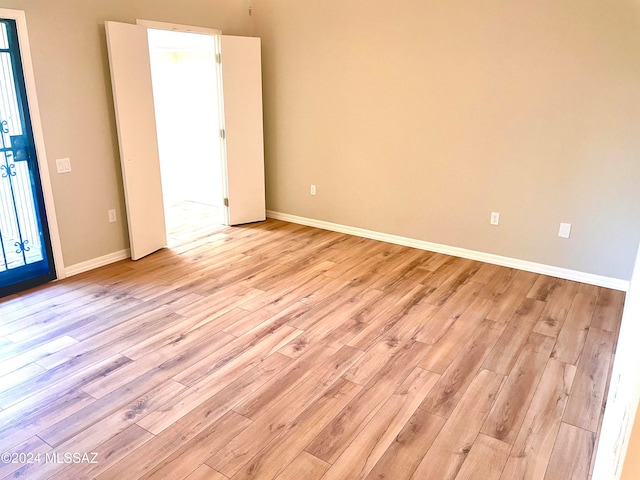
189 221
275 350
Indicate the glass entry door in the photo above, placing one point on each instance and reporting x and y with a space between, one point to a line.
26 258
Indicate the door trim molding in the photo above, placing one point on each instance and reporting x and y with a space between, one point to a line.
38 136
176 27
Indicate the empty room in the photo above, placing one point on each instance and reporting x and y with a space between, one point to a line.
319 240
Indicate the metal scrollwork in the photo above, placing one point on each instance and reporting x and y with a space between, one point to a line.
8 170
22 246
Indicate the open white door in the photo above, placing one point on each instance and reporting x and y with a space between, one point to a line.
242 100
135 117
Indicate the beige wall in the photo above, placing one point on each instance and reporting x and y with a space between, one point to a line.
74 88
418 118
415 118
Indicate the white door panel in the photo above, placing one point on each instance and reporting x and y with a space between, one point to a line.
135 117
242 97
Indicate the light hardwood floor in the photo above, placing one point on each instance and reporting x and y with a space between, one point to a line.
280 351
187 221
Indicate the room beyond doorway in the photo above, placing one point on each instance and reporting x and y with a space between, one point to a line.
186 99
189 221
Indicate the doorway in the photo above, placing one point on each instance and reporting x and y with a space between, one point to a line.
241 132
186 92
26 256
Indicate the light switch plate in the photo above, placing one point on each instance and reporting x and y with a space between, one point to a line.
63 165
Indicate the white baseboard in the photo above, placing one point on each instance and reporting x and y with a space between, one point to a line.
97 262
564 273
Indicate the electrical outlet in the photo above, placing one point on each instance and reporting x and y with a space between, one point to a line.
495 218
313 189
565 230
112 216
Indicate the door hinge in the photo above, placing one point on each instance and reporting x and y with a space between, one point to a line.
223 134
226 202
218 58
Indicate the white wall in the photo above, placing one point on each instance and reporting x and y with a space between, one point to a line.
624 391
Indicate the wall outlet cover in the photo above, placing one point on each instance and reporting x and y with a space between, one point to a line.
565 230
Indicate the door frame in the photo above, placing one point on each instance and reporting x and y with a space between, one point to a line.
177 27
130 34
20 18
215 33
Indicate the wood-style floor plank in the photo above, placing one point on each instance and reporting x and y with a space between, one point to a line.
113 450
569 460
485 460
558 302
513 297
511 405
268 423
373 440
145 459
33 446
499 282
275 350
20 376
447 348
82 428
454 381
439 323
510 344
293 376
608 310
575 328
387 320
31 356
205 472
585 405
290 442
227 392
48 407
200 448
304 466
404 455
532 449
340 432
451 447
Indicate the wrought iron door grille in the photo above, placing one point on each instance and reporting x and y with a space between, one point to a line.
21 238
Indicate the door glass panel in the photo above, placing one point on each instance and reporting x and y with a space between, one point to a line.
25 248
